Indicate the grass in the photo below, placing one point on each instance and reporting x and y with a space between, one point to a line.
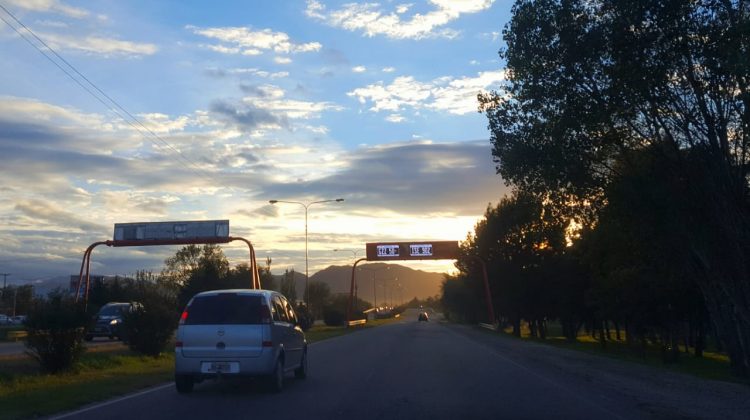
100 375
712 365
104 372
323 332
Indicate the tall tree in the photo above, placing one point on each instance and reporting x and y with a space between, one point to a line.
289 285
591 81
318 295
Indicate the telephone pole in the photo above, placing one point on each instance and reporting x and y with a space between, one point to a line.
5 279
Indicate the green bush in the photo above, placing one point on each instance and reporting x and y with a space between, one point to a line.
304 317
333 316
56 327
150 325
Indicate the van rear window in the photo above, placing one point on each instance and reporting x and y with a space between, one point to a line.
224 308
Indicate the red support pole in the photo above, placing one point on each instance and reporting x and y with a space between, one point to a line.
351 293
488 295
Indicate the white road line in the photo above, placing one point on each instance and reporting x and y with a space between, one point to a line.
110 402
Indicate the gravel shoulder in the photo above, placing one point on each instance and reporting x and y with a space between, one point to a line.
636 391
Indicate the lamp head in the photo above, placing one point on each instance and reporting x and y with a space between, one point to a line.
273 201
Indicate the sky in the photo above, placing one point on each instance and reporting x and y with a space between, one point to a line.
185 110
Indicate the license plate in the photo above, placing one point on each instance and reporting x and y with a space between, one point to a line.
219 367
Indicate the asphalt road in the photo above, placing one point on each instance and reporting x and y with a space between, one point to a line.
413 370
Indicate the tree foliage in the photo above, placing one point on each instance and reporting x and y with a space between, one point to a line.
601 96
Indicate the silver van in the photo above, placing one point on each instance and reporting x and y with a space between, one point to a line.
237 333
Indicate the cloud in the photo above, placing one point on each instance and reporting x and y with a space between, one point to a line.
395 118
448 94
100 45
254 72
411 178
244 40
359 69
372 20
247 116
282 60
47 213
388 69
53 6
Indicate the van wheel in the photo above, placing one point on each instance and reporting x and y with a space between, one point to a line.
89 337
183 383
301 371
275 381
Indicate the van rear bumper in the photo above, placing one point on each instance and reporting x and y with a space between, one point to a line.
248 366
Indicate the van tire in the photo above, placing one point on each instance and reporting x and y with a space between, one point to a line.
301 371
275 381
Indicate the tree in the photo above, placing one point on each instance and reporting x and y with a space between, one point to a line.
288 286
318 294
589 82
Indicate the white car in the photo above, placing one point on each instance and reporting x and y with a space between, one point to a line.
239 333
4 319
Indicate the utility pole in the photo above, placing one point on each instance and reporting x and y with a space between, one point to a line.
5 282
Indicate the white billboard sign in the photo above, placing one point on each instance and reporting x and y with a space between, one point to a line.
155 231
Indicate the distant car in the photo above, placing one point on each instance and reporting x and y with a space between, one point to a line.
4 319
18 319
423 317
239 333
109 321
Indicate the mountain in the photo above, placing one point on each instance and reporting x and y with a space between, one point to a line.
394 282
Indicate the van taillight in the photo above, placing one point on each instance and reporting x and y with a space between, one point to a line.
178 344
267 344
183 317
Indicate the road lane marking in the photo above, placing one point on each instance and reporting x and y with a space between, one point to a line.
110 402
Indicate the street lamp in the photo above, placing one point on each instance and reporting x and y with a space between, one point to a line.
306 205
354 254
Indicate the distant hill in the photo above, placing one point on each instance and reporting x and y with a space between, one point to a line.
400 282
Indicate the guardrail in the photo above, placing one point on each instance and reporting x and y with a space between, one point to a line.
16 335
357 322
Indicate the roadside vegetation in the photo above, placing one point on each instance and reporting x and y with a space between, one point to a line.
100 374
62 366
623 131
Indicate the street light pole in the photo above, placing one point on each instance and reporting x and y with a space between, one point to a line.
354 254
306 205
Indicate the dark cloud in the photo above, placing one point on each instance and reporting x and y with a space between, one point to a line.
334 57
43 211
216 72
246 116
252 90
456 178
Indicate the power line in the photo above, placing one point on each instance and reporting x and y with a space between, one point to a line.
113 106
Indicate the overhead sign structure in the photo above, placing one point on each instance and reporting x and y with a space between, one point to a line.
160 231
419 250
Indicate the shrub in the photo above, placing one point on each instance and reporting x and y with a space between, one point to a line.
304 316
333 316
149 327
56 328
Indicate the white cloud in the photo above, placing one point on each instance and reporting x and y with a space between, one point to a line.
259 73
372 20
454 95
359 69
282 60
100 45
395 118
388 69
243 40
53 6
